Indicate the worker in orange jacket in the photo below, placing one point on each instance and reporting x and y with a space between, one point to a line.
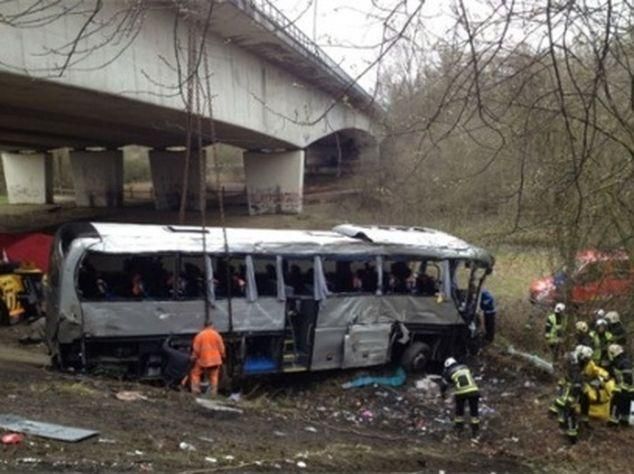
208 352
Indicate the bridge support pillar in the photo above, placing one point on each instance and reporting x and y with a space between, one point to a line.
98 178
275 182
168 169
29 178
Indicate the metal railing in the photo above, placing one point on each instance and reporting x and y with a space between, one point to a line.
282 23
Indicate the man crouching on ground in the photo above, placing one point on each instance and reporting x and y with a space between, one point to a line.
208 352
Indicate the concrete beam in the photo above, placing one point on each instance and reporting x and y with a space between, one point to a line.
168 170
29 178
275 182
98 178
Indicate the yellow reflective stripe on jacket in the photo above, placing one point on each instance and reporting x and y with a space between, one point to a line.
554 334
599 345
463 382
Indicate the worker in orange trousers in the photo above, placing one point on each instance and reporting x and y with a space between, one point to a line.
208 352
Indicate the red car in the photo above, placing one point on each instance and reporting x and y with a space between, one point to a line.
597 276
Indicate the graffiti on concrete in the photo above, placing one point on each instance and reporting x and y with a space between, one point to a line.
274 200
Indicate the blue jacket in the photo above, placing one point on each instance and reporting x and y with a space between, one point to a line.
487 302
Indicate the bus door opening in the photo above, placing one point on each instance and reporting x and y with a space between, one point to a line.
301 314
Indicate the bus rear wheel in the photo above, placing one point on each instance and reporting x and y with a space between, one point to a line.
416 357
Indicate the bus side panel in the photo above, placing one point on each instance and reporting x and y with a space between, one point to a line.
267 313
367 345
151 318
341 311
142 318
328 348
419 310
337 315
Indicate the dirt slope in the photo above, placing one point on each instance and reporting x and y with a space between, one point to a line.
288 421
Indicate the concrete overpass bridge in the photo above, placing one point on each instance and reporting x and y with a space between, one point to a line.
277 96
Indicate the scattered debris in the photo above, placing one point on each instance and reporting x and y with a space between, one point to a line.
211 460
229 457
301 464
206 439
395 380
130 396
12 438
279 434
429 386
186 446
29 460
219 408
311 429
45 430
106 441
235 397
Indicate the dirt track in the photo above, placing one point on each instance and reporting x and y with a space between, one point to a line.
302 419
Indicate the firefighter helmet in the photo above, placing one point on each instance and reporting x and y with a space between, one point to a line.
583 352
601 323
449 362
599 313
582 327
560 308
614 350
613 317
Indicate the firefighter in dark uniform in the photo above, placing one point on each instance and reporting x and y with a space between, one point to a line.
570 397
623 393
582 334
616 328
601 340
466 391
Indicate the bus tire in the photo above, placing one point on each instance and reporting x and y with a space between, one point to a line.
5 319
416 357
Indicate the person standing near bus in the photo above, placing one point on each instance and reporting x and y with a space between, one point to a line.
208 352
489 311
554 330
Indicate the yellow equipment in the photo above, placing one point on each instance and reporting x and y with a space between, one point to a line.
20 292
600 400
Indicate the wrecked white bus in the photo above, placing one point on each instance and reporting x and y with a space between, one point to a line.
284 300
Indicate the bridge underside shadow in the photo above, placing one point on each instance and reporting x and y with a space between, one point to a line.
38 117
43 115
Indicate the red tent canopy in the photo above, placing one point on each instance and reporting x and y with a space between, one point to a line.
27 248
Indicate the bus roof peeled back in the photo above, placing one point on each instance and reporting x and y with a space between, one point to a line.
342 240
415 240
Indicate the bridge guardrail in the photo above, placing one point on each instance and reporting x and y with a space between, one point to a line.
267 9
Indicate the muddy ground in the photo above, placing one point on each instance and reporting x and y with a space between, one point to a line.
294 423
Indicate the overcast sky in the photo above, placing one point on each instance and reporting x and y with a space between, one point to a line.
350 31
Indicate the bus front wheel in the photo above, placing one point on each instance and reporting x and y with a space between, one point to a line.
415 357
